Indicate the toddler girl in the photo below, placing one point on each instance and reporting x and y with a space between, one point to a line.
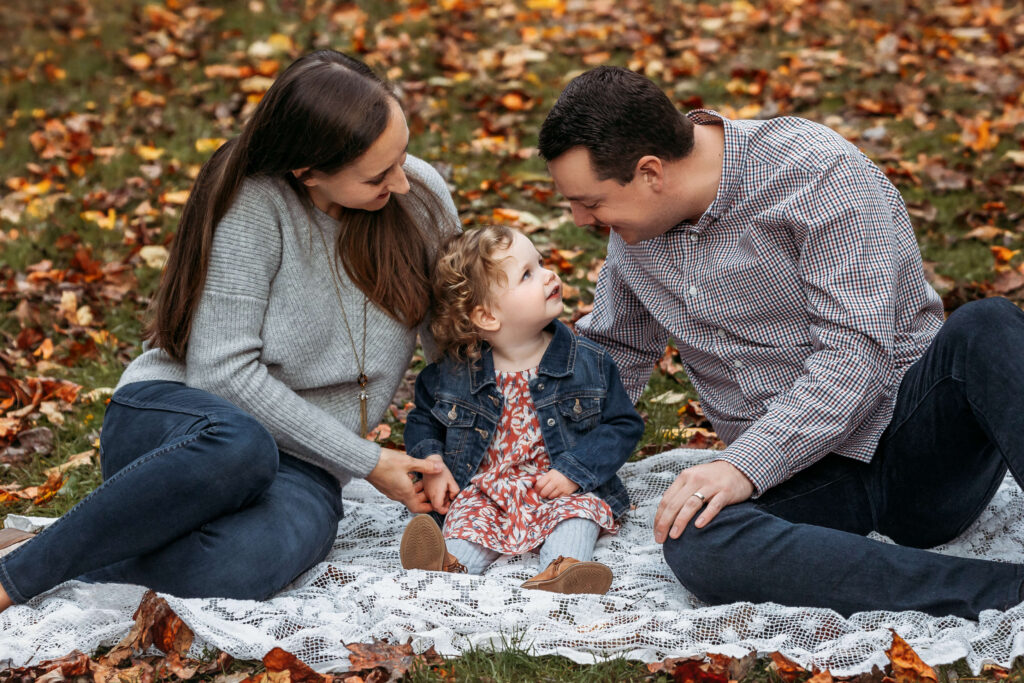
529 422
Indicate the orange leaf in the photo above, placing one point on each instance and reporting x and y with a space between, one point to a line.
907 667
787 669
278 660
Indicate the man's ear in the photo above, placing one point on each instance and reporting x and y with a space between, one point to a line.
304 176
484 320
651 172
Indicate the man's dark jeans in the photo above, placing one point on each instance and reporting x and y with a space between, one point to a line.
958 425
196 502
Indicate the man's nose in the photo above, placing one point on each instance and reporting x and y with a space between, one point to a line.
580 216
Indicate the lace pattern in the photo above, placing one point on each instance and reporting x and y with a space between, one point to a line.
361 592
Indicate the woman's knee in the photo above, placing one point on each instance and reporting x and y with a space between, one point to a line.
242 449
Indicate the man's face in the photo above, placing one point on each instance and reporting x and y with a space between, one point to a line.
630 210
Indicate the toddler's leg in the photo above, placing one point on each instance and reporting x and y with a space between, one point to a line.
573 538
475 557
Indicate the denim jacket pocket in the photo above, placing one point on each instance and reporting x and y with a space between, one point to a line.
580 412
458 423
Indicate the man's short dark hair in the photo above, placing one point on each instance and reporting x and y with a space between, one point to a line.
618 116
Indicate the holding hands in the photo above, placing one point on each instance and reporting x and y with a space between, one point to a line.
392 477
440 486
554 484
715 484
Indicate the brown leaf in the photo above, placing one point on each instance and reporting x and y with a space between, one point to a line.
907 666
156 624
396 660
278 661
787 669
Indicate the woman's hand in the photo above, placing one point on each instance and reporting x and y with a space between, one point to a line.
392 477
554 484
719 483
440 488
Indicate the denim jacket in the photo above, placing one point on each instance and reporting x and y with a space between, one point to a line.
587 421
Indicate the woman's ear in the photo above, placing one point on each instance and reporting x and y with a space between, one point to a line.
484 320
304 176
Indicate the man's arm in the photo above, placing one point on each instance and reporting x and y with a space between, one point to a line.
623 325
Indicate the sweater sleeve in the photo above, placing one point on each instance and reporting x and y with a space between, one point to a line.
224 347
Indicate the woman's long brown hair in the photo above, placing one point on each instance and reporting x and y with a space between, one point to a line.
323 112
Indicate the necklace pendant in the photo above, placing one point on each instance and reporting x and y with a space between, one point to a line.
362 413
363 380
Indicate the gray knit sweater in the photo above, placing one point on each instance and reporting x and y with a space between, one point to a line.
268 333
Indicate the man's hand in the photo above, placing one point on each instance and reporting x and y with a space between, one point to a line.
719 482
440 488
554 484
391 477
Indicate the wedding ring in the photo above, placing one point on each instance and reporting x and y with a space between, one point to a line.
698 494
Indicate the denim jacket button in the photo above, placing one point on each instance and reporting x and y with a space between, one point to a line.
494 400
551 422
452 414
540 386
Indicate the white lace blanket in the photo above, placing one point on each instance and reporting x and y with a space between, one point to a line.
361 592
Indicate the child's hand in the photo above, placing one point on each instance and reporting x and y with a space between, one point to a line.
554 484
440 488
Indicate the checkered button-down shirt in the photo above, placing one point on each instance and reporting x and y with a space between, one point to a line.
797 300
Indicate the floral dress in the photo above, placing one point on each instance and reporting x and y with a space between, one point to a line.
499 508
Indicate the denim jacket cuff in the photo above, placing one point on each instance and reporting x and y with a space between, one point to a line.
574 470
425 448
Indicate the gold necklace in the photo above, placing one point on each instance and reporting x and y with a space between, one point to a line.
363 380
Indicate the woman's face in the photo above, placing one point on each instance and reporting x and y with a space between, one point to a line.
367 182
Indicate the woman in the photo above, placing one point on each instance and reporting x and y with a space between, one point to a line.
227 442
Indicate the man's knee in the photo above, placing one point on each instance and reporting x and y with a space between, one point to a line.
697 558
985 319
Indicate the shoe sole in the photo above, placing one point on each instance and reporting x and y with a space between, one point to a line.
422 545
582 577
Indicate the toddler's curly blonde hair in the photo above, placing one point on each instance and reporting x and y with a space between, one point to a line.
466 268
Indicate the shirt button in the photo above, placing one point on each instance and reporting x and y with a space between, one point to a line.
722 333
693 237
738 363
551 422
693 291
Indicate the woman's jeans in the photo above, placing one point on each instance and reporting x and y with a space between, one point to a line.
958 425
196 502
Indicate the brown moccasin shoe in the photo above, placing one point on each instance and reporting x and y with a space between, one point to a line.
12 539
423 547
566 575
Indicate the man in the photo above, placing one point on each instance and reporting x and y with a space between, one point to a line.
783 262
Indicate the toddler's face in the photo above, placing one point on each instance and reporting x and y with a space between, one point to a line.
531 297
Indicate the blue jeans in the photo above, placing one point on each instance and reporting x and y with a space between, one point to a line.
196 501
957 426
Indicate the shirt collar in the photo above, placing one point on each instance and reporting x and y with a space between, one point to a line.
733 155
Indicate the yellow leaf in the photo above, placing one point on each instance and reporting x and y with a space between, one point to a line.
174 197
139 61
148 153
281 42
207 145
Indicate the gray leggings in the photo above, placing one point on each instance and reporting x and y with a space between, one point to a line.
571 538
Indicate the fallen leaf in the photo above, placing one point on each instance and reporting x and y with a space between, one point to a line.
77 460
907 666
787 669
155 624
278 660
396 660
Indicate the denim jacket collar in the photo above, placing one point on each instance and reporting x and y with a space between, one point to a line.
558 360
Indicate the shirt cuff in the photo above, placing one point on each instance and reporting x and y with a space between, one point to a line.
756 457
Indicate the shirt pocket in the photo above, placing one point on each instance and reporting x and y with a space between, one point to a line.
458 421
